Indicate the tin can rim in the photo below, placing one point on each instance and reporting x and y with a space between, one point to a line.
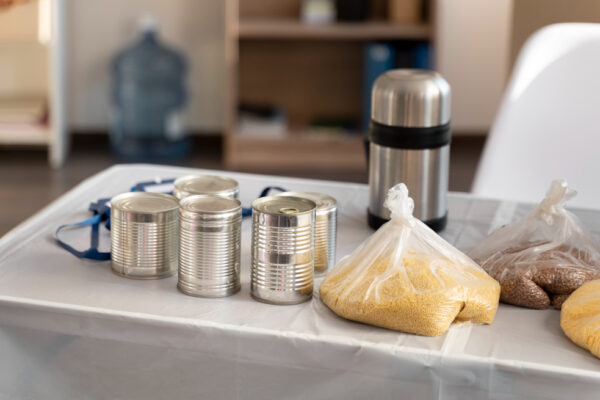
164 203
324 202
291 206
224 204
217 184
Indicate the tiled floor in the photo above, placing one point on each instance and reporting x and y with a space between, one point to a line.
27 183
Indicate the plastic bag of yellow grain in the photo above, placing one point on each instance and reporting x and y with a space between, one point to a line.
405 277
580 317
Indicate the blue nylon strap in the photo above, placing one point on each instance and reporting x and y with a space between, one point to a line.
141 187
92 253
247 211
267 190
101 210
100 206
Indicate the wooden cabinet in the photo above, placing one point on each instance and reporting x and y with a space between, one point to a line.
310 71
32 70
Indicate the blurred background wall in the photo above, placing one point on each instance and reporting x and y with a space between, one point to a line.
22 56
97 30
475 42
472 49
531 15
472 44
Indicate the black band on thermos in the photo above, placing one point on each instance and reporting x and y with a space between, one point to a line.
400 137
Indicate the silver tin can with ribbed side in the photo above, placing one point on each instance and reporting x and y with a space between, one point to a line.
190 185
144 233
325 229
209 246
282 249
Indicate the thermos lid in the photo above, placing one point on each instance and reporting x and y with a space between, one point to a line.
411 98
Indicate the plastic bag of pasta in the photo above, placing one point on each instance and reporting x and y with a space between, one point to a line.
542 258
405 277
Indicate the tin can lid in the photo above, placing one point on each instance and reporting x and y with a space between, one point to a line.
284 205
323 201
209 204
204 184
144 203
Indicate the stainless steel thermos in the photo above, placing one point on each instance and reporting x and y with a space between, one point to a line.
409 141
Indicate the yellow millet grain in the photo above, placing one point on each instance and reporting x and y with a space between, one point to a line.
422 296
321 259
580 317
321 243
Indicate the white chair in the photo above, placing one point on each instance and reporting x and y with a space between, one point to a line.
548 125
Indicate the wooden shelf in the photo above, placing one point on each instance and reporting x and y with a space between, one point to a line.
295 151
24 135
23 44
293 29
34 68
312 72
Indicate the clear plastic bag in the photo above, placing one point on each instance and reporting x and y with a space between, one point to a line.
580 317
405 277
542 258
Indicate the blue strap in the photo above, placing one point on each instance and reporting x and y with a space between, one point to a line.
92 253
101 210
265 191
100 206
247 211
142 186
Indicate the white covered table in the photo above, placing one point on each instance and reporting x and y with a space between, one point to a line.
72 329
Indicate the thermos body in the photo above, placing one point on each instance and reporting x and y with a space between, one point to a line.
427 179
409 142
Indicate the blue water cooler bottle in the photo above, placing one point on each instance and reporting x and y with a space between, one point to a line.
148 97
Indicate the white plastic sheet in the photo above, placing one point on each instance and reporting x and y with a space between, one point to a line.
73 329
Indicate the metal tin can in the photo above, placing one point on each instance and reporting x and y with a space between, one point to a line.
206 184
282 249
325 229
209 246
144 230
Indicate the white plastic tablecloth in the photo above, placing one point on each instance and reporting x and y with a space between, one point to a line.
71 329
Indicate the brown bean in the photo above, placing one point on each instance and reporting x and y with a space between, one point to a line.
558 279
522 291
532 281
558 300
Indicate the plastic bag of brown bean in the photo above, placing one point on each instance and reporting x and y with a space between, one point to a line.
541 259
